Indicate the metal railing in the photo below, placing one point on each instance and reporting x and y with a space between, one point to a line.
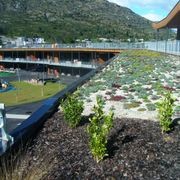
64 63
104 45
171 47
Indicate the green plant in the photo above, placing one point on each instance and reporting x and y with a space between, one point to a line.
165 112
98 130
72 109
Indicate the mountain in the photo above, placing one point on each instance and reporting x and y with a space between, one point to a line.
67 20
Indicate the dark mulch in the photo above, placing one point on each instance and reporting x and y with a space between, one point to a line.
137 150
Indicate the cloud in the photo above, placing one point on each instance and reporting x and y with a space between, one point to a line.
124 3
147 3
153 16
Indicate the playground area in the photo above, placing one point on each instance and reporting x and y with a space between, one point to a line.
24 87
26 92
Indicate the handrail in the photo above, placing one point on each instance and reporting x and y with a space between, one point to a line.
113 46
170 47
103 45
79 64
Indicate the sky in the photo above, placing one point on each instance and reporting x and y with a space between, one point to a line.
154 10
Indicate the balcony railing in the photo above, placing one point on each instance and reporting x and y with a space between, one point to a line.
79 64
172 47
121 45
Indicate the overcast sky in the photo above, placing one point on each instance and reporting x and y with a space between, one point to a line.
154 10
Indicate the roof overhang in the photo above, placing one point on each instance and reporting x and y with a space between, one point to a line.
171 21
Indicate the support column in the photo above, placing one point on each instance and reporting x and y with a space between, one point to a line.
59 57
53 57
49 71
43 56
79 56
56 57
26 54
92 60
108 56
178 34
1 56
35 56
71 56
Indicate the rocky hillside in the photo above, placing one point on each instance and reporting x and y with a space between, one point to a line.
63 20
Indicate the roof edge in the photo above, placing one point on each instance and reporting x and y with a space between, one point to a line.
164 22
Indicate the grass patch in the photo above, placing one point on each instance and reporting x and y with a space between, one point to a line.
26 93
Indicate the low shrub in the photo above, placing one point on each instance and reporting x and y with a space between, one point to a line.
72 109
165 112
98 130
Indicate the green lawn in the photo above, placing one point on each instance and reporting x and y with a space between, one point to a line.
26 93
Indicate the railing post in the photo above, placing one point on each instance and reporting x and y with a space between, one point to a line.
166 40
157 39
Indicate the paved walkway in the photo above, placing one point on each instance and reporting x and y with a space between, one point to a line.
16 114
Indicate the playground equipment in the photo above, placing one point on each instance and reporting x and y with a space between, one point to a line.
3 84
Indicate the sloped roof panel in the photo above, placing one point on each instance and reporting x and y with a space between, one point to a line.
171 21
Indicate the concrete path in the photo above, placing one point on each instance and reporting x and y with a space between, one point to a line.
17 116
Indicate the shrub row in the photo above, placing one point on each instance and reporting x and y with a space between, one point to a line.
101 124
99 127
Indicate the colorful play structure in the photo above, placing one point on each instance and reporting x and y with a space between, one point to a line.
3 84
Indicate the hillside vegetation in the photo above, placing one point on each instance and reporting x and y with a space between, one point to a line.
65 21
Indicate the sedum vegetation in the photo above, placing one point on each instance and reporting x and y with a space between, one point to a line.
141 76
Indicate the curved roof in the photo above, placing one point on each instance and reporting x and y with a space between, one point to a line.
171 21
